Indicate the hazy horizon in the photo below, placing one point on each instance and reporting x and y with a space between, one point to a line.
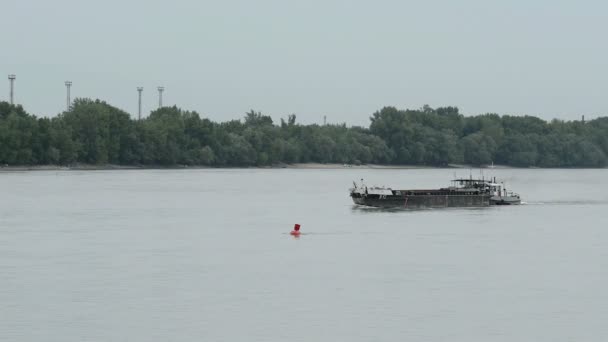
336 58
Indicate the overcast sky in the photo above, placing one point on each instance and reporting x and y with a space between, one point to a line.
343 59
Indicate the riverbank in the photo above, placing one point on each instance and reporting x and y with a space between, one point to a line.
349 166
301 166
79 167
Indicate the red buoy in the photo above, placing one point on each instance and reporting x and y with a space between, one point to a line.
296 230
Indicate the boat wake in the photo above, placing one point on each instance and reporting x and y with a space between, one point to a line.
581 202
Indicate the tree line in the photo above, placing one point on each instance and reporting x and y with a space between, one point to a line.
94 132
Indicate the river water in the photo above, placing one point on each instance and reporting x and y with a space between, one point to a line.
205 255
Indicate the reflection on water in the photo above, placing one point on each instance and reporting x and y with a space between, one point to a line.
366 209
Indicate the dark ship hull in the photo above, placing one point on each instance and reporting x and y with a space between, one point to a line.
463 193
415 200
506 200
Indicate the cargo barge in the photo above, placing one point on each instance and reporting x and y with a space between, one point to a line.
462 193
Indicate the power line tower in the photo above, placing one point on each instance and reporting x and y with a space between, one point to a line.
11 79
160 96
139 90
68 100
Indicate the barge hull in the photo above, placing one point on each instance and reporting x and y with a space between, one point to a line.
423 201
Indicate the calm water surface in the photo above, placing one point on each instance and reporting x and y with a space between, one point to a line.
205 255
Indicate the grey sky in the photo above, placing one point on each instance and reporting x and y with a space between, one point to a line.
343 59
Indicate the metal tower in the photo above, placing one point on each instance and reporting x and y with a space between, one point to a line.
11 79
68 101
160 96
139 90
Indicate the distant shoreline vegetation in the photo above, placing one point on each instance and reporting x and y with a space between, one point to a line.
95 133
